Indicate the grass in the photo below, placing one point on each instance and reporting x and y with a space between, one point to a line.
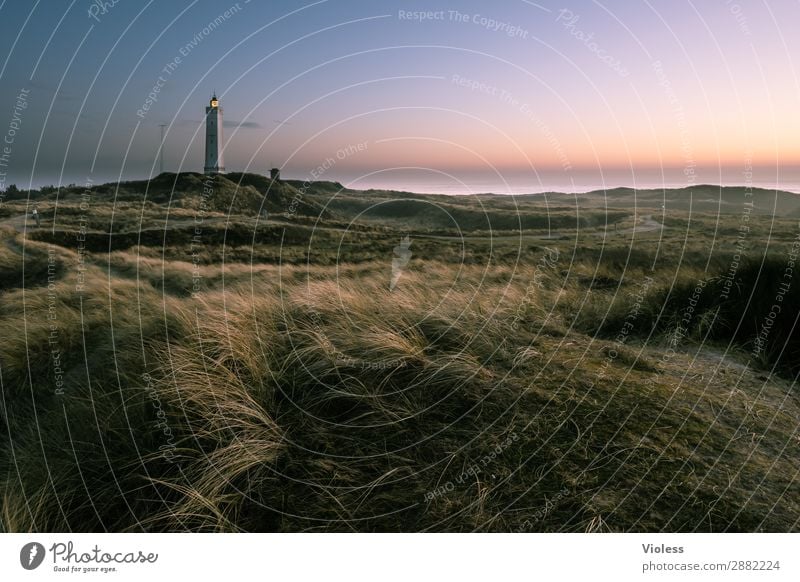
491 390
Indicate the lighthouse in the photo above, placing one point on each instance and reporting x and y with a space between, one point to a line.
214 163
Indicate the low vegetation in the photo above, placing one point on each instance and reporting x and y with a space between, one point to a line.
272 378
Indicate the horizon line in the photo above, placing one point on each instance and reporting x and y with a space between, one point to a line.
751 186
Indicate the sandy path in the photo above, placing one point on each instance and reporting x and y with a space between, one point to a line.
17 222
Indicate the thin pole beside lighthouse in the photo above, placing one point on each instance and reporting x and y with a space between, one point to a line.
161 147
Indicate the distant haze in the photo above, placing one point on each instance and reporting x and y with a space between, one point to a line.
576 181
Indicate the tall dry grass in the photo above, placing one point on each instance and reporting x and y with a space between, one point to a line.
291 398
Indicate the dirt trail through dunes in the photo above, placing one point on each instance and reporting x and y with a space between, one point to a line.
646 224
18 222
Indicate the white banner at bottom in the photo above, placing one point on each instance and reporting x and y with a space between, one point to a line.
399 557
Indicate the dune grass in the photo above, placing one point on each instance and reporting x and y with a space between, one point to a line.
492 396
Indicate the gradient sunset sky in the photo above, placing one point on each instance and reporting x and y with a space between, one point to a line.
476 90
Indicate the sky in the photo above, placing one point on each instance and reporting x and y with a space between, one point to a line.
466 95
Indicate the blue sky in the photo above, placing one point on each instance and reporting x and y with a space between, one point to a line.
506 86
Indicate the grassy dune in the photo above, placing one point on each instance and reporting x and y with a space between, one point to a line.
548 385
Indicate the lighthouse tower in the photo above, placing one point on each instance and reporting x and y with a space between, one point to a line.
214 163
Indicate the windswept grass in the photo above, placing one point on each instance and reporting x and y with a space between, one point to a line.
312 398
530 372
